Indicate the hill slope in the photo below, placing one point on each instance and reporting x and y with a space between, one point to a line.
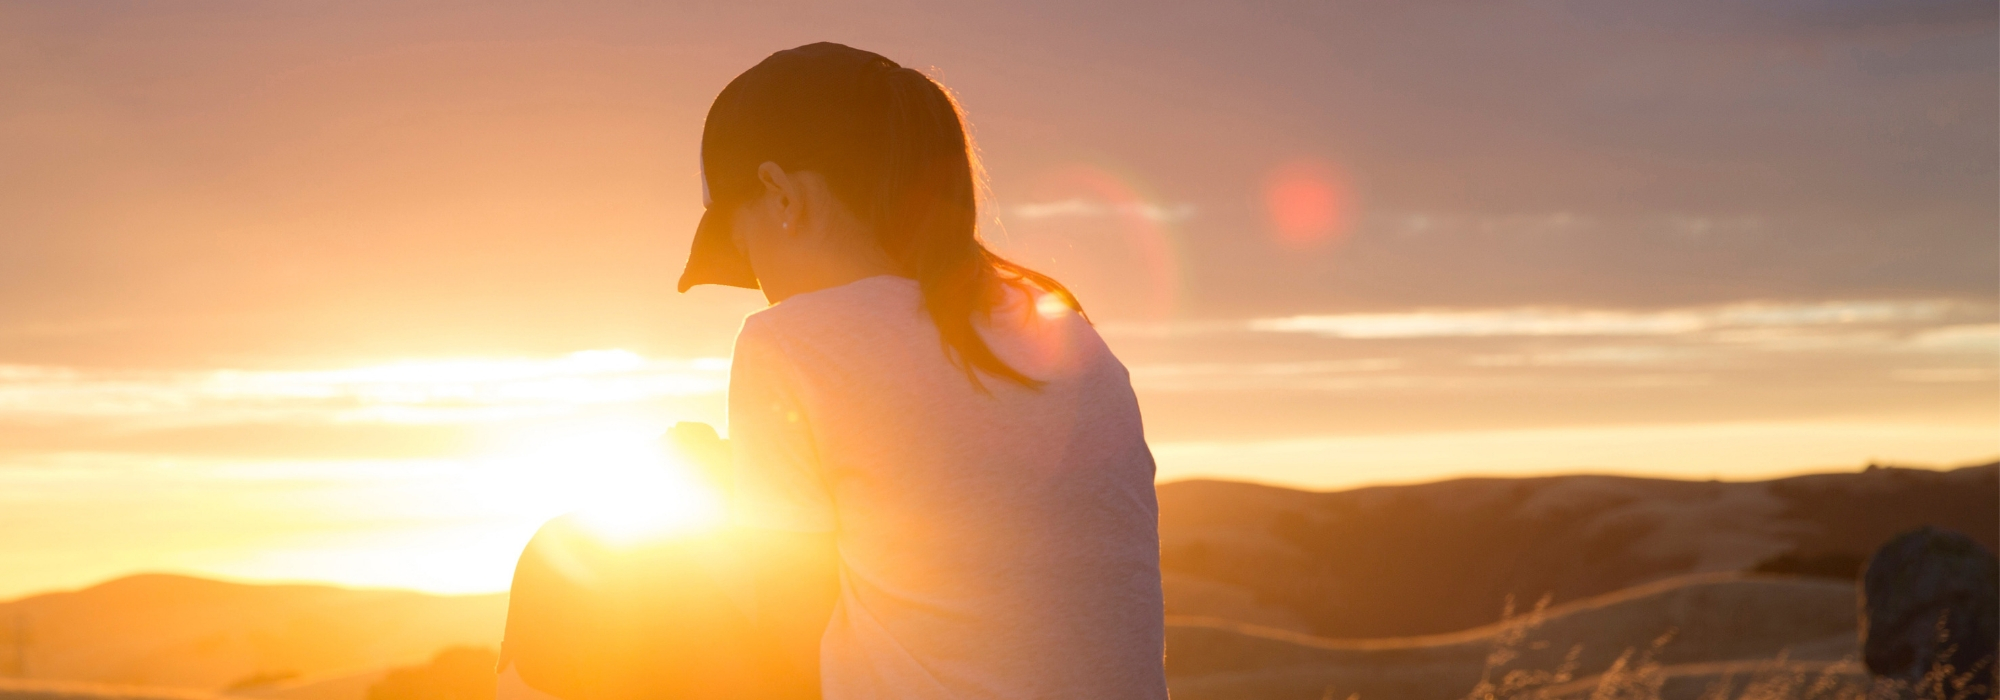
1247 565
165 630
1433 558
1713 618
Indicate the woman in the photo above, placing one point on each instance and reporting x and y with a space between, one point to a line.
939 471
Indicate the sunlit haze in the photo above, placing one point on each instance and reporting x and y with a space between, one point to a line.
365 292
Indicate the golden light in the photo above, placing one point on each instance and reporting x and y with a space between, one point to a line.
505 445
615 474
638 501
457 525
565 435
1051 306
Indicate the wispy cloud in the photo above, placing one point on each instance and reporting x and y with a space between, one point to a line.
431 391
52 329
1945 375
1730 450
1093 208
1584 356
1925 325
1587 322
1977 337
1268 369
1212 376
1539 349
1376 375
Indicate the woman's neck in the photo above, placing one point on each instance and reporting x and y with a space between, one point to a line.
825 270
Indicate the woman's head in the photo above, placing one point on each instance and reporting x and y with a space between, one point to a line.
826 162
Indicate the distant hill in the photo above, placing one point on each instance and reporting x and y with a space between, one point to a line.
1433 558
163 630
1723 624
18 689
1268 588
1714 619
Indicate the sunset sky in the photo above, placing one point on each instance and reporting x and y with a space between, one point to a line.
362 291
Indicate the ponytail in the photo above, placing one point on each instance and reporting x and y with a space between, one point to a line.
893 147
925 216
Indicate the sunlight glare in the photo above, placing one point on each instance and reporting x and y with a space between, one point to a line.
1051 306
617 476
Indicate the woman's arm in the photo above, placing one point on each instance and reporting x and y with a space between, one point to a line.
782 503
797 579
795 575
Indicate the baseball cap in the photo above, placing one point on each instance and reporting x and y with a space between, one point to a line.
815 107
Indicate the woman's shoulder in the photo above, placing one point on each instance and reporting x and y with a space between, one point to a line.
869 302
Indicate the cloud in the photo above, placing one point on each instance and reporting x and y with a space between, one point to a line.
1976 337
1702 450
1584 356
398 181
1588 322
1522 336
1482 323
256 440
1224 376
1092 208
1413 383
1268 369
1945 375
473 390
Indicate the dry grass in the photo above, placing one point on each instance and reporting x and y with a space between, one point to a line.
1638 675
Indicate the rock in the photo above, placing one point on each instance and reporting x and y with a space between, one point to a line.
1931 602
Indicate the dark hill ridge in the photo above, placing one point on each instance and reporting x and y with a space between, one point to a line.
1434 558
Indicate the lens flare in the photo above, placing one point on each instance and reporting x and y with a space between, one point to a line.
1102 236
1046 348
1051 306
1309 203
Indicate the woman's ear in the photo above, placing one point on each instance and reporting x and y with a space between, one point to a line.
782 191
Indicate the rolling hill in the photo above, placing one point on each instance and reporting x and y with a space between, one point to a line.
164 630
1391 592
1432 558
1679 623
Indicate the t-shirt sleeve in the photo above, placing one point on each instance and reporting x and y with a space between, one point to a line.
778 482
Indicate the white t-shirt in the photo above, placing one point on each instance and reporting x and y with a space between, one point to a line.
1001 545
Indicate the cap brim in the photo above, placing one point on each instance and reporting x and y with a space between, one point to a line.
714 258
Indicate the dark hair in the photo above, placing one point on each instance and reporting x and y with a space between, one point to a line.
892 145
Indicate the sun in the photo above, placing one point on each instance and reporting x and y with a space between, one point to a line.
618 477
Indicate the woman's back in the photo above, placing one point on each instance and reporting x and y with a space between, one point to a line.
995 543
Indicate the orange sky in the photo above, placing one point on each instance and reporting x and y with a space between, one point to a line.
283 288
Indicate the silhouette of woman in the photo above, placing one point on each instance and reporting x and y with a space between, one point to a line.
940 484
